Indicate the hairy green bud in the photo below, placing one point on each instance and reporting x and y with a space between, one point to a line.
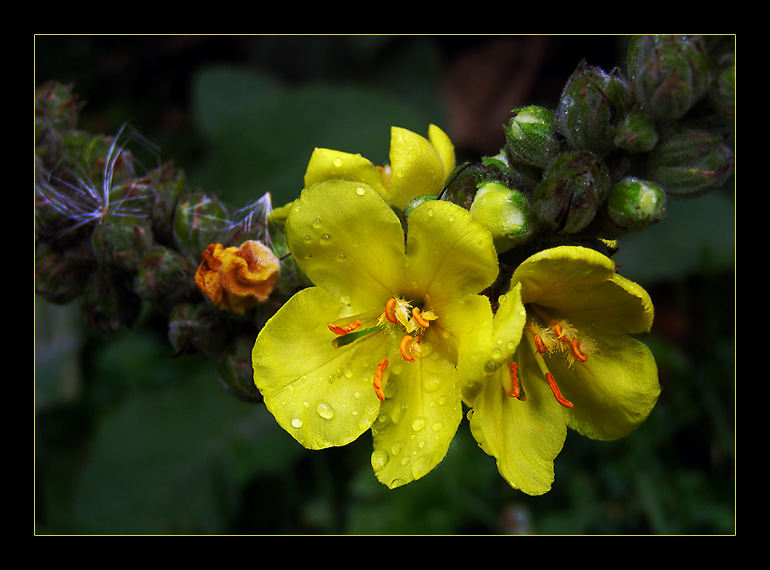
591 106
199 220
531 136
573 188
668 74
198 328
634 204
690 162
636 133
506 213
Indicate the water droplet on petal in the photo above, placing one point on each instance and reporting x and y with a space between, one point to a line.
325 410
360 191
418 424
379 460
317 223
338 161
296 423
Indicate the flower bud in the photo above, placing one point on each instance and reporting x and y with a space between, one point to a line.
61 274
234 370
199 219
197 328
690 162
505 213
571 191
636 133
668 74
722 91
418 201
120 242
107 302
238 279
165 278
634 204
531 136
591 106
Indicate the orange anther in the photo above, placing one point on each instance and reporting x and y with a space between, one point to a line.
540 344
576 351
558 330
419 319
556 392
390 310
406 348
338 330
515 388
378 389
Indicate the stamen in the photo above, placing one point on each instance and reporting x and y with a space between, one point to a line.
419 318
541 348
556 392
338 330
407 347
390 310
515 391
377 383
576 351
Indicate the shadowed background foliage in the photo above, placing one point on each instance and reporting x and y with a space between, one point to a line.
132 440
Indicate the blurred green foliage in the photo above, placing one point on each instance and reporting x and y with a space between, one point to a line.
132 440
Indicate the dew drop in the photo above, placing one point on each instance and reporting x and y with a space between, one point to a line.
360 191
338 161
396 449
437 426
317 223
418 424
296 423
325 410
326 239
379 460
430 212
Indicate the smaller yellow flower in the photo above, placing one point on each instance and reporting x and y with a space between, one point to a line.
560 354
417 166
237 279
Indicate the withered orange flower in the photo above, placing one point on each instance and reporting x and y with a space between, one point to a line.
237 279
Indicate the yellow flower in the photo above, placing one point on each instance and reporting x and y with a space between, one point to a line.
417 166
375 343
237 279
575 364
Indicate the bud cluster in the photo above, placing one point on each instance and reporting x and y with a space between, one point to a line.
113 240
616 148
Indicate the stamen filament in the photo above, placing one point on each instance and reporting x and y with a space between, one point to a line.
347 338
377 383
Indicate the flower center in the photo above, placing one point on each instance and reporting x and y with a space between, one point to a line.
548 337
410 319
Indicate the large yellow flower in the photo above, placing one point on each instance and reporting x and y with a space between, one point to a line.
417 166
375 344
575 366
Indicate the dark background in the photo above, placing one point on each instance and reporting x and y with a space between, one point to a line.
130 440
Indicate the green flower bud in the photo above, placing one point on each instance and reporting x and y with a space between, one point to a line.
165 278
591 106
505 213
199 219
571 192
634 204
198 328
722 91
120 242
531 136
636 133
418 201
107 303
234 370
668 74
61 274
690 162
